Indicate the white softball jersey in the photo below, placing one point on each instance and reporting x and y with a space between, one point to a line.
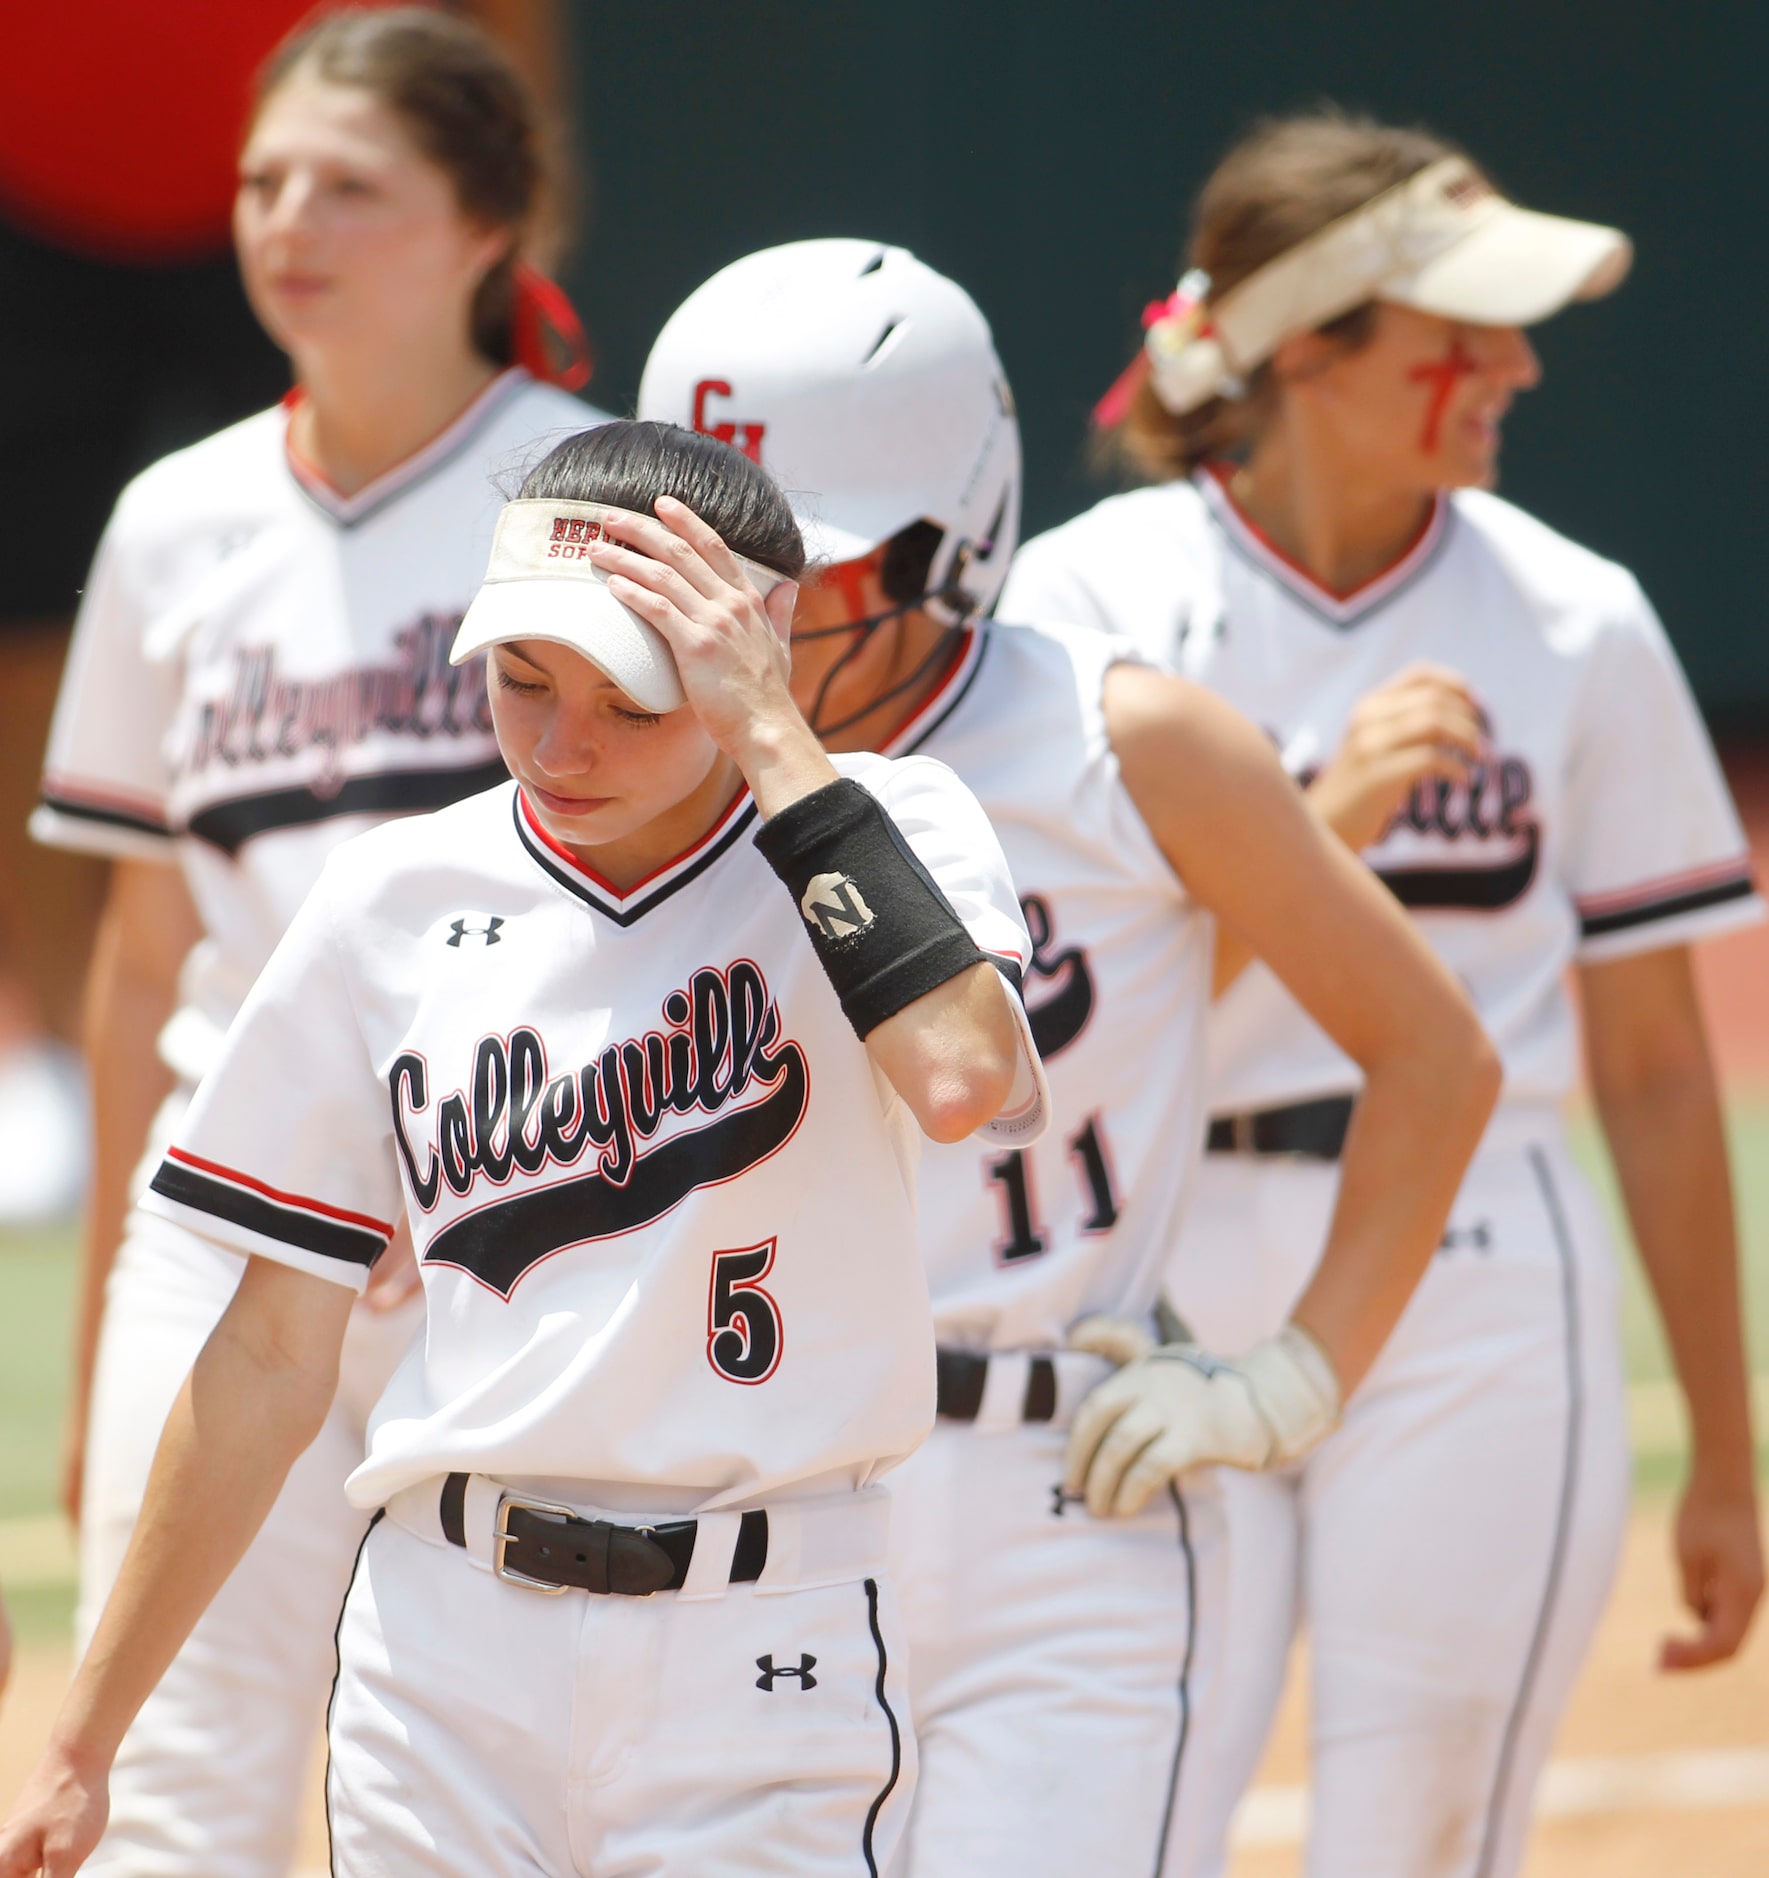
1020 1242
662 1201
1029 1623
260 670
1599 827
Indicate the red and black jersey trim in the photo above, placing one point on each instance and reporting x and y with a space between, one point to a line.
405 476
625 909
108 811
229 825
309 1225
1601 914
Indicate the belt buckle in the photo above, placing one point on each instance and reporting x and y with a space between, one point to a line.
501 1537
1244 1131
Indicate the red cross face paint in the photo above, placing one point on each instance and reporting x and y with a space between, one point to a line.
1442 377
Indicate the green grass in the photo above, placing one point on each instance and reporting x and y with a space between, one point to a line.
37 1274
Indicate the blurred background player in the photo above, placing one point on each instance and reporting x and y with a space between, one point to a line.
125 336
1061 1666
652 1123
1493 716
261 670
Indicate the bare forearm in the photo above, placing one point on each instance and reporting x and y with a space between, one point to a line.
1668 1142
129 1083
951 1055
238 1424
1415 1128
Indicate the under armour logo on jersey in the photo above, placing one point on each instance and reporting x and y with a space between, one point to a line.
460 929
833 904
1478 1238
1061 1497
770 1674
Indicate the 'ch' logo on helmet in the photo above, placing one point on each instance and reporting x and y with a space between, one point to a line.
769 1673
833 904
749 442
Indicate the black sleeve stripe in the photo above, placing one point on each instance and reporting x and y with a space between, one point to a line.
1594 925
330 1238
231 824
109 814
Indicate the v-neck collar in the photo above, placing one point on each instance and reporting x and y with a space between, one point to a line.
424 462
625 908
1347 609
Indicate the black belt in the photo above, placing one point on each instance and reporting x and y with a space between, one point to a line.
961 1377
1315 1129
553 1549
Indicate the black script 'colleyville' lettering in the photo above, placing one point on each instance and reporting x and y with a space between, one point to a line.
722 1035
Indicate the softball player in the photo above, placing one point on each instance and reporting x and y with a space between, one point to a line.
650 1113
1059 1668
1492 715
261 670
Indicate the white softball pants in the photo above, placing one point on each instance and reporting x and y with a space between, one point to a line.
208 1782
1449 1549
485 1730
1060 1671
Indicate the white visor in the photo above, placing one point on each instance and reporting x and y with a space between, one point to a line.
541 584
1443 241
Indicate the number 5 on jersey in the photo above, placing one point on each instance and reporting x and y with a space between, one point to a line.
743 1337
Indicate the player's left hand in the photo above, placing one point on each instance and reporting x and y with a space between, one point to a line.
1720 1560
1173 1406
730 644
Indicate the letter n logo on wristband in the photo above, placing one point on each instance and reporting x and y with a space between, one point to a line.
833 904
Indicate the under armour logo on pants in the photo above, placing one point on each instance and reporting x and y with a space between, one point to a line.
766 1679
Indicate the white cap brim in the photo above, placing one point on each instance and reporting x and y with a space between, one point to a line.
542 584
1515 268
585 616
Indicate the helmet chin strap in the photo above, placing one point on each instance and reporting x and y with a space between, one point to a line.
862 631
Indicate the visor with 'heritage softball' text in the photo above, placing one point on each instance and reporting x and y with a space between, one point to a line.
541 584
1444 241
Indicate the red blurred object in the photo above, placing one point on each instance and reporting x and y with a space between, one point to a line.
120 120
550 342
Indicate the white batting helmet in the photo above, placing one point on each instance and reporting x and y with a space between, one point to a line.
867 385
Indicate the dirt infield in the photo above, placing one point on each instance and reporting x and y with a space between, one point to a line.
1652 1775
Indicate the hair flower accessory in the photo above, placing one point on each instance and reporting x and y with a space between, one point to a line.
1179 349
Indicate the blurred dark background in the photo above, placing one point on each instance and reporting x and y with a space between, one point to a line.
1046 155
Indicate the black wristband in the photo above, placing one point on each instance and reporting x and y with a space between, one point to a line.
883 931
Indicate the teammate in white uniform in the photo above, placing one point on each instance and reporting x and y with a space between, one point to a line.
1493 716
261 670
651 1116
1058 1663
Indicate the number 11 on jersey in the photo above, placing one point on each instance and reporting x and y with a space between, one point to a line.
1023 1237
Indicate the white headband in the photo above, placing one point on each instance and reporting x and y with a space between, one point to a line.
541 584
1443 241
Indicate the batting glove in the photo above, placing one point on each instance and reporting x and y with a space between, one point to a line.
1173 1406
